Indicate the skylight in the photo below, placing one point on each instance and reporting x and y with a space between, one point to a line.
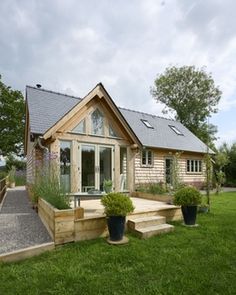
176 130
147 124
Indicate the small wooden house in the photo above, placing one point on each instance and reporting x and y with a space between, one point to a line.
93 139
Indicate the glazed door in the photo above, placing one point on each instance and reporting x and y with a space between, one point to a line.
95 165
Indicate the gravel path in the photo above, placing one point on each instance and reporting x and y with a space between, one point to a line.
20 225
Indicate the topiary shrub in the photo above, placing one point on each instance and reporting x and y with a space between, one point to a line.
117 204
187 196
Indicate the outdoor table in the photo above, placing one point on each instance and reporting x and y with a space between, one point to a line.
78 196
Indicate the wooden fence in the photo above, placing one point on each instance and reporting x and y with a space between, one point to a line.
3 188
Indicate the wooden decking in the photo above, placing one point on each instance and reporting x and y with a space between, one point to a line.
143 207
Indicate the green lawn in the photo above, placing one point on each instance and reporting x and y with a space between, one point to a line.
188 261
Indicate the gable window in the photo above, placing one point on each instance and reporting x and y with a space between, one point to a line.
147 124
97 121
80 128
112 132
176 130
147 158
194 166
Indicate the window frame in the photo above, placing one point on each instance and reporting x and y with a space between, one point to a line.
176 130
147 164
147 123
83 121
194 166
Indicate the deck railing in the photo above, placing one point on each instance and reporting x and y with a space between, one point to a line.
3 188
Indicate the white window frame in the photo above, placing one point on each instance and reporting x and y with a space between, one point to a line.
194 166
147 164
176 130
147 124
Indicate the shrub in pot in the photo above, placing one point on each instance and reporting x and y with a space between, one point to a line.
107 185
116 207
188 198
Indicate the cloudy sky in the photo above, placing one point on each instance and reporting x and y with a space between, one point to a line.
71 45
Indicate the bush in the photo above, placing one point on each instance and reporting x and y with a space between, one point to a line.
187 196
11 174
117 204
152 188
11 161
3 174
156 188
47 186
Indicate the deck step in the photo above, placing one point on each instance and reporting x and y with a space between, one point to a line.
136 223
149 231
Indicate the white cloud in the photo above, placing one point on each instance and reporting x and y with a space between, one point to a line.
74 45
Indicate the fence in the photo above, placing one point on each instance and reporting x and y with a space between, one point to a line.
3 188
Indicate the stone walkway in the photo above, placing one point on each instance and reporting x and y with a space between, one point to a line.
20 225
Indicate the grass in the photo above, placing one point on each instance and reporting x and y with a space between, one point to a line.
20 180
188 261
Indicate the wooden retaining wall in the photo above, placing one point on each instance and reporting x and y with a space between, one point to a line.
59 223
155 197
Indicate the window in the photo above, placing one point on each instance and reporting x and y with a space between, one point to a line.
176 130
112 133
147 124
147 158
65 163
194 166
80 128
97 123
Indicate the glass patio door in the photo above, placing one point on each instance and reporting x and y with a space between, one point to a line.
105 165
87 167
95 165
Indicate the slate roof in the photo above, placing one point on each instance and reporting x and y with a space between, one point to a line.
162 135
46 108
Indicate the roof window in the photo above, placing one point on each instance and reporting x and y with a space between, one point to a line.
147 124
176 130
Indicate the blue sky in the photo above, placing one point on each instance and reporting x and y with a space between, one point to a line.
70 46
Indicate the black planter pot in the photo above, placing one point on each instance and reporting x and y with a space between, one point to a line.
116 227
189 214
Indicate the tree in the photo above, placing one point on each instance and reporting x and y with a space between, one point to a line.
191 94
230 168
12 109
221 160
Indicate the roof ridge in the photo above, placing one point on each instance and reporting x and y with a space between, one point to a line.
55 92
147 114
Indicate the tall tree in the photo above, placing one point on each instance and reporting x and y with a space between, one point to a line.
12 109
230 168
191 95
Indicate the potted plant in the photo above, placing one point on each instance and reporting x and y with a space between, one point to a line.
188 198
116 207
107 185
11 177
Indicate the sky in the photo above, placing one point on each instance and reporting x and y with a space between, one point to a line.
69 46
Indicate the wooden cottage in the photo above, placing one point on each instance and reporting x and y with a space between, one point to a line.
92 139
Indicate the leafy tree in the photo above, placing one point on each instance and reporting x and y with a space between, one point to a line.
191 95
230 168
221 160
12 109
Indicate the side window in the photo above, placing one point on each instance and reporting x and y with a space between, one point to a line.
147 158
80 128
194 166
